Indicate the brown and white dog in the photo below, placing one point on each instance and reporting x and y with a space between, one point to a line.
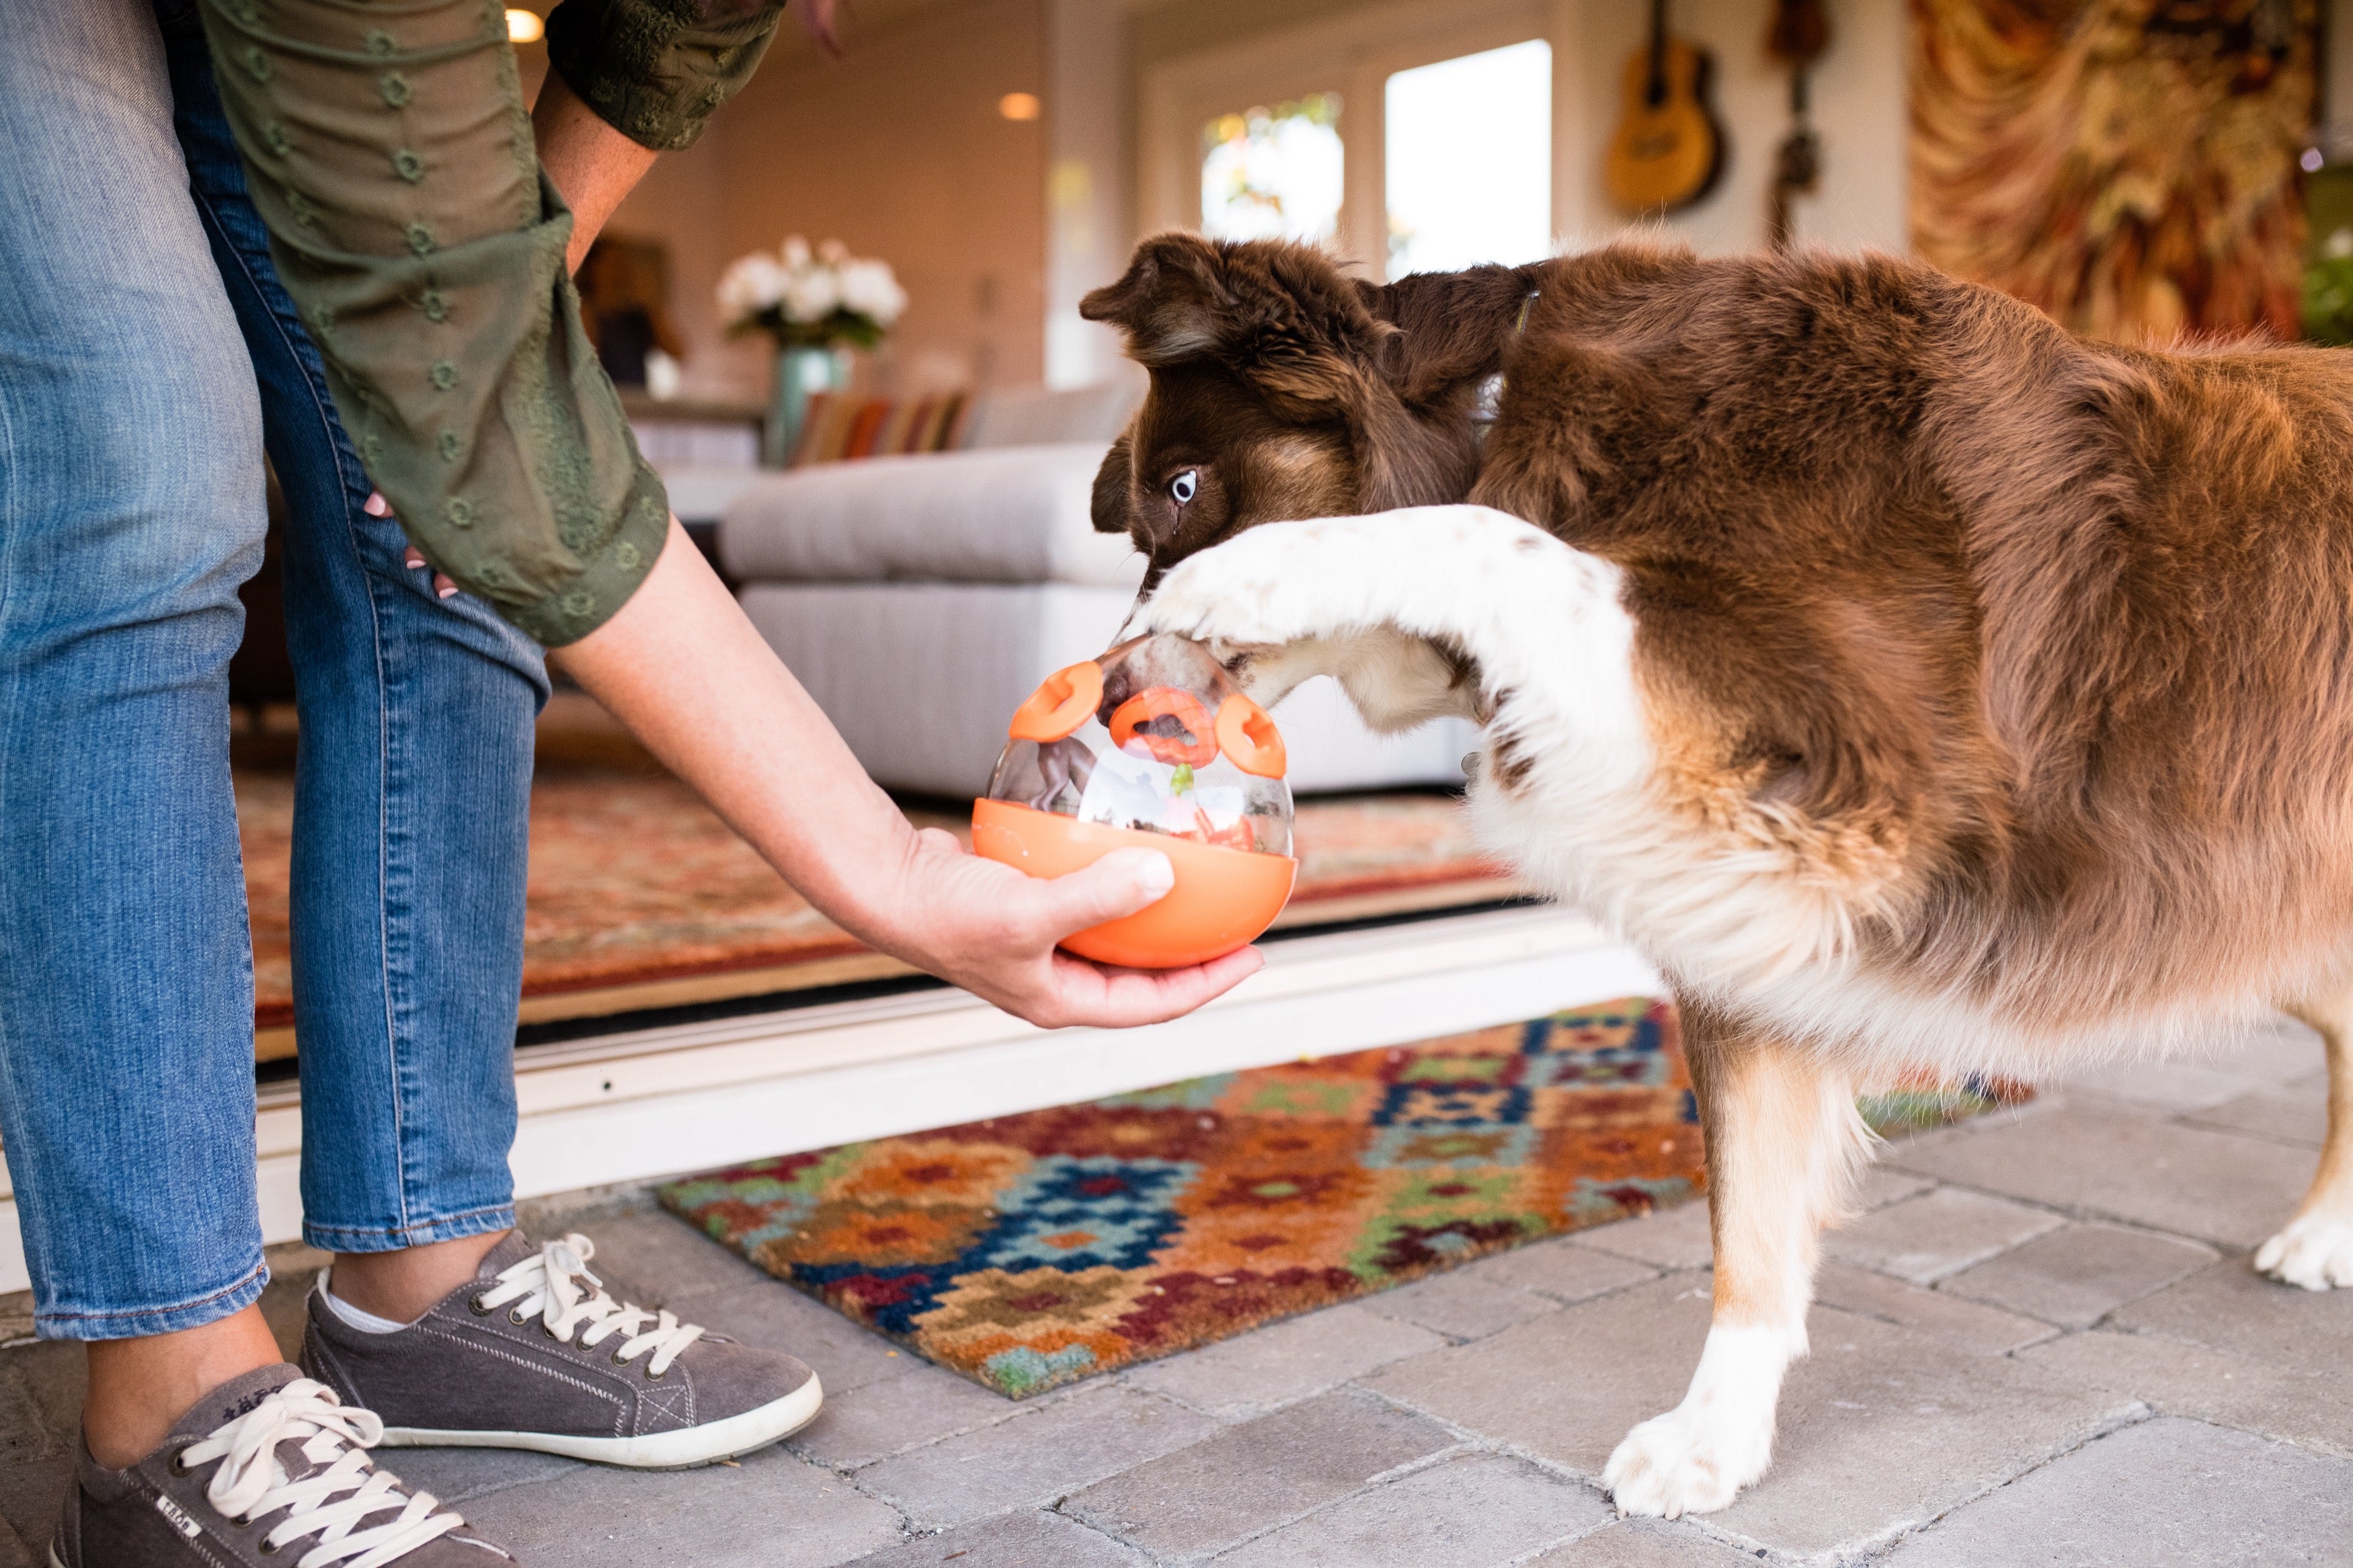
1917 686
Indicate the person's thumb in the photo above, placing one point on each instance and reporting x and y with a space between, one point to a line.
1121 883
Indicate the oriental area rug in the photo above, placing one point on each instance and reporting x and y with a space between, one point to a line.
1026 1251
641 898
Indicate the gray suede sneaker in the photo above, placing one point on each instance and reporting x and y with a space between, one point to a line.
535 1355
271 1463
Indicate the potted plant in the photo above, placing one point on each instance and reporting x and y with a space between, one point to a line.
817 305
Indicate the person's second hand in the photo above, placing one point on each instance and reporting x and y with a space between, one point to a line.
376 506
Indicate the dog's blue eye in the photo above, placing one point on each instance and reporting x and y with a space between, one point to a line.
1185 486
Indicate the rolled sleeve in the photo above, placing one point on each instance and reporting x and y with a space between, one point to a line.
656 70
390 154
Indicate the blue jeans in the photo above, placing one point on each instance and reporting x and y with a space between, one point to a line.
147 357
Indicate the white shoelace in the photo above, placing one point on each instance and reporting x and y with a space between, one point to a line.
251 1482
549 1285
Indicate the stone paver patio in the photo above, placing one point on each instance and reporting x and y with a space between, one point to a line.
2042 1345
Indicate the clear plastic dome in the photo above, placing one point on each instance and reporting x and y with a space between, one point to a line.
1169 746
1151 746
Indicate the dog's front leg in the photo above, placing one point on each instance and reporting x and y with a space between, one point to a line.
1783 1143
1419 612
2316 1248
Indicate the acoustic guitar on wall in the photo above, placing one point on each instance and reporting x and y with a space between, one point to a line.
1669 149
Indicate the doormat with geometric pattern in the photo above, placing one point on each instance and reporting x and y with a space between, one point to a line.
1026 1251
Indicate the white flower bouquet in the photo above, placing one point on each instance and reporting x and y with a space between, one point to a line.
805 299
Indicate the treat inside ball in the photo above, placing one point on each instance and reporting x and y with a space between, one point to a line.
1150 745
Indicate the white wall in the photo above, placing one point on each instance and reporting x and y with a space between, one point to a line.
1858 95
1859 109
998 228
1089 204
899 150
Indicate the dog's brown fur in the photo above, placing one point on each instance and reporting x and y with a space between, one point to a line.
2038 654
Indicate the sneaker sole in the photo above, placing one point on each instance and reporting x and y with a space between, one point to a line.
683 1449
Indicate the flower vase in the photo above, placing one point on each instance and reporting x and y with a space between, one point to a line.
801 374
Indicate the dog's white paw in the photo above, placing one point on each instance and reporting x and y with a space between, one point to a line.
2315 1251
1690 1460
1427 569
1257 590
1693 1458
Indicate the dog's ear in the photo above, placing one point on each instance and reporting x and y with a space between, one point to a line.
1279 314
1109 505
1446 334
1169 305
1404 461
1451 326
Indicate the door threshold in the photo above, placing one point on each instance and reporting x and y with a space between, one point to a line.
657 1101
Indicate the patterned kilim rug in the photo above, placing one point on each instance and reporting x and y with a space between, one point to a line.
1029 1251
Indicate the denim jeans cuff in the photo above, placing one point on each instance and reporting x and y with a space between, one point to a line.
416 1233
139 1322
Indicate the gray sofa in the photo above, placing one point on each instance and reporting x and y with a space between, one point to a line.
921 599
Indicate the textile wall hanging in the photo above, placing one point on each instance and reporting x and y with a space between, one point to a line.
2127 165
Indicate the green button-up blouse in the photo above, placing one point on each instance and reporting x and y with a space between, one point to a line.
390 153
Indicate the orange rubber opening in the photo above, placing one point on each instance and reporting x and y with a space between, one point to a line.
1062 702
1250 738
1198 745
1222 900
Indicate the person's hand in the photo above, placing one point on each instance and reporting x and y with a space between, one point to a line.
442 587
992 930
696 683
376 506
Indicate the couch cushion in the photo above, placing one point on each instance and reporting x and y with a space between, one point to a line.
1030 416
1008 514
702 492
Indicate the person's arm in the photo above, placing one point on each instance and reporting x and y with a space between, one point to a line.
592 161
425 247
684 668
391 156
594 165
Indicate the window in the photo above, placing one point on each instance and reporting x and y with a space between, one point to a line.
1403 136
1469 160
1273 173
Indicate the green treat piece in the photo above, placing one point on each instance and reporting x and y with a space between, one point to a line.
1182 779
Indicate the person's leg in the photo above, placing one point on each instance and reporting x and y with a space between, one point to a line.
412 815
130 508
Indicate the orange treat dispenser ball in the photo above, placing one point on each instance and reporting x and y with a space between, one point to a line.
1152 746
